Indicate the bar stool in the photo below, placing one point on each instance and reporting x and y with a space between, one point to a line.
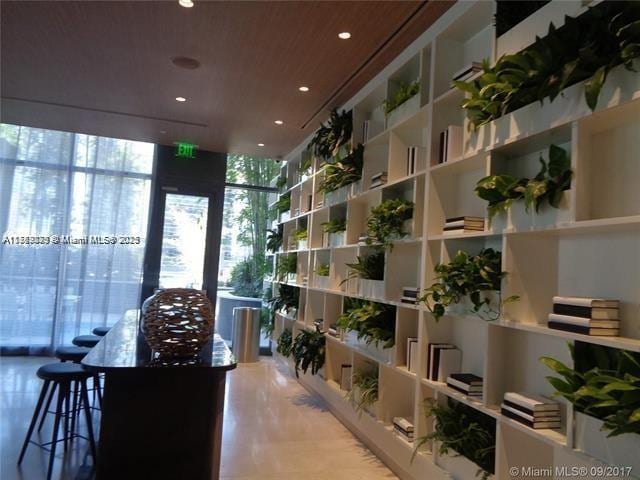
101 331
63 376
86 340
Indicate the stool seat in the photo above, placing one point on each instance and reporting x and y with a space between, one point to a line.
101 331
72 354
86 340
61 372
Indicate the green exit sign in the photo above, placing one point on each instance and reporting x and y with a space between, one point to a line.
185 150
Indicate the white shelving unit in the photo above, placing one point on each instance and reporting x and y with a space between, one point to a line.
590 246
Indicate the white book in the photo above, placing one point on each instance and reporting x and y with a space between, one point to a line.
469 68
457 223
464 386
431 349
548 422
412 354
454 143
531 401
403 423
345 376
450 362
587 302
455 231
583 322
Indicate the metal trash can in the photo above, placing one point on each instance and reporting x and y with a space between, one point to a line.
246 334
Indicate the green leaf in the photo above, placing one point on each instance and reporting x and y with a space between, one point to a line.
593 86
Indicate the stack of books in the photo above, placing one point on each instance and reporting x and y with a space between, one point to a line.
450 144
587 316
413 156
403 427
409 295
412 354
319 323
443 361
468 72
371 128
532 410
456 225
362 239
378 179
467 383
320 203
345 376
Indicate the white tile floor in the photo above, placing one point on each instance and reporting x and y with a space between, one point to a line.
273 430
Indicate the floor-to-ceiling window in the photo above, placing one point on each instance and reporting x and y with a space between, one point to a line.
73 218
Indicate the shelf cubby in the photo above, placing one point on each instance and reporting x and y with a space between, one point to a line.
402 269
358 209
339 258
406 327
316 235
314 307
397 395
376 160
369 109
336 356
407 74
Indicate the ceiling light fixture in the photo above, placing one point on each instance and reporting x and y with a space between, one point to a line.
303 89
344 35
278 122
186 3
181 99
261 144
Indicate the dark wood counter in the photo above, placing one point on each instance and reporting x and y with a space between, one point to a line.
160 418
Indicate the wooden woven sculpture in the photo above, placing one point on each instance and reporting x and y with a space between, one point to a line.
177 322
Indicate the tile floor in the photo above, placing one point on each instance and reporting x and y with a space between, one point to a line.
273 429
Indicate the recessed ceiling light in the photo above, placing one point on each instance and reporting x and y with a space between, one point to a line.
261 144
186 3
344 35
163 131
278 122
303 89
181 99
187 63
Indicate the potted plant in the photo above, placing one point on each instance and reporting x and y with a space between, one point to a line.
282 206
304 169
321 279
274 239
388 221
299 236
548 186
369 271
369 326
285 343
555 62
604 388
404 102
308 351
332 136
339 174
364 391
334 232
476 277
286 301
461 432
286 267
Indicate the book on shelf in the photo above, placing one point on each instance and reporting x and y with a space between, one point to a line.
411 292
463 224
431 349
371 128
450 144
409 300
378 179
594 313
583 322
467 72
345 376
466 383
530 420
531 403
414 157
403 427
363 238
412 354
309 203
442 361
592 331
587 302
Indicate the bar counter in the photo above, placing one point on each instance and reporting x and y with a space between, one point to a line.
161 418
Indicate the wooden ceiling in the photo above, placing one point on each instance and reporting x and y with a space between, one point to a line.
106 68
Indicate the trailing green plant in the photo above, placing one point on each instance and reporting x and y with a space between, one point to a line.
285 265
287 299
281 182
300 234
336 225
584 48
342 170
367 387
333 135
386 221
283 204
372 321
274 239
322 270
308 350
549 184
463 430
369 267
285 343
402 94
467 276
605 385
305 164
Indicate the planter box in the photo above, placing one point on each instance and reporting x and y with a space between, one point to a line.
371 288
383 355
336 239
407 109
302 244
292 278
621 450
465 307
460 467
337 196
547 217
500 222
320 281
284 216
356 189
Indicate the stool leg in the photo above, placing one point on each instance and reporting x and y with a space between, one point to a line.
46 409
34 419
97 389
67 402
87 416
74 408
62 392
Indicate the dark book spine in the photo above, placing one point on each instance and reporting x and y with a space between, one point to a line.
458 389
520 408
572 310
441 151
567 327
516 417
